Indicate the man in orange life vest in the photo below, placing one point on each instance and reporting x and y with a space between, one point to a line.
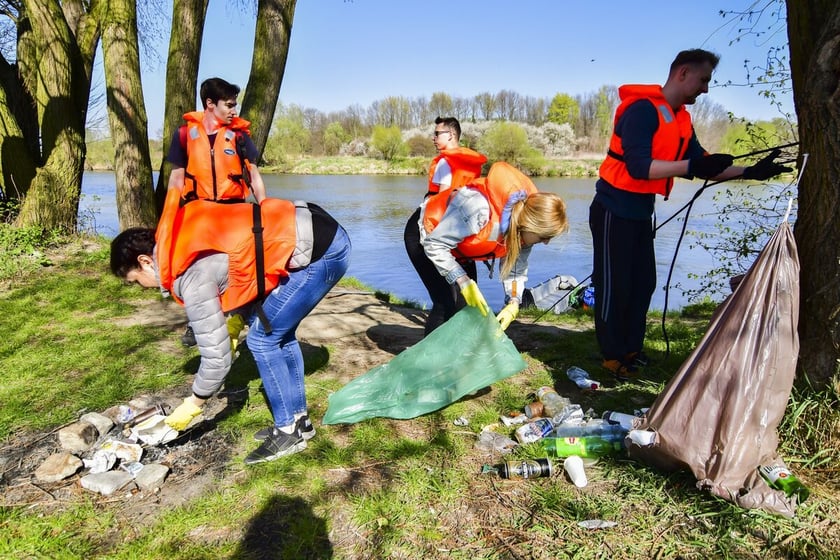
653 142
207 154
498 216
453 167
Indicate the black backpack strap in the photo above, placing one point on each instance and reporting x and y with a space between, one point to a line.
245 177
259 250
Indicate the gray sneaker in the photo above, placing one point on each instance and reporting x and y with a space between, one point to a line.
303 425
277 444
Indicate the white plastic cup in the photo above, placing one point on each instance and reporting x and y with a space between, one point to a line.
642 438
573 465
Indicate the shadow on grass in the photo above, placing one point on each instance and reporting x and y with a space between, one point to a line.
284 528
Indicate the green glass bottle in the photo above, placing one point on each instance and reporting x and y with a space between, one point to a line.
589 446
780 478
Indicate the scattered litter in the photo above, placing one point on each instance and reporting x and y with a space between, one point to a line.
581 379
597 524
102 461
125 414
132 467
573 465
642 438
461 421
154 431
490 441
513 418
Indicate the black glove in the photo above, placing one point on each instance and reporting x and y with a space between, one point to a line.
766 168
707 167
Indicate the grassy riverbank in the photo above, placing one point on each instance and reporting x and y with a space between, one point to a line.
583 165
75 339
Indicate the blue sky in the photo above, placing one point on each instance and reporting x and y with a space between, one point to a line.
344 53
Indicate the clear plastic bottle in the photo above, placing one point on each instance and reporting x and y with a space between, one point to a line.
590 446
780 478
551 401
596 427
581 379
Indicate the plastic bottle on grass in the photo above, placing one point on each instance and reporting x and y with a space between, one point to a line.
551 401
593 428
581 379
591 446
780 478
625 420
534 409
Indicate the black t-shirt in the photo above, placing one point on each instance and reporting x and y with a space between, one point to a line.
324 227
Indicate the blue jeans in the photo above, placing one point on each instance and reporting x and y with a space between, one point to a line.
277 355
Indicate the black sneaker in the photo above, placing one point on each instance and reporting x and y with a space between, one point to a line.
188 338
303 425
277 444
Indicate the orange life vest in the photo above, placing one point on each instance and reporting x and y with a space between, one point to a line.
670 141
202 226
213 172
503 185
464 163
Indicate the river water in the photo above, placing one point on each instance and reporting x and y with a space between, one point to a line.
374 210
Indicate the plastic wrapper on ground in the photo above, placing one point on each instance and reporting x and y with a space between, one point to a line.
465 354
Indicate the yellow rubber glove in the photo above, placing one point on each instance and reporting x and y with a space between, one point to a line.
183 415
474 298
508 314
235 324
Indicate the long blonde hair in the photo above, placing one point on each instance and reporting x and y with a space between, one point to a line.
543 214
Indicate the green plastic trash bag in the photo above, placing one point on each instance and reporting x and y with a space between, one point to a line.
465 354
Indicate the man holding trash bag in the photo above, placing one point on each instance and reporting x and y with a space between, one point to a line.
453 167
498 216
216 259
653 142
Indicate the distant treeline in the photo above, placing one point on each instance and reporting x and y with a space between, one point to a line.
526 130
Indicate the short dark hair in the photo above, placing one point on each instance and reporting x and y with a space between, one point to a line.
694 57
127 246
452 123
215 89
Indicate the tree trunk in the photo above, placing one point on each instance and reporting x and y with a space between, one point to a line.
127 115
181 77
271 48
17 158
55 69
814 38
